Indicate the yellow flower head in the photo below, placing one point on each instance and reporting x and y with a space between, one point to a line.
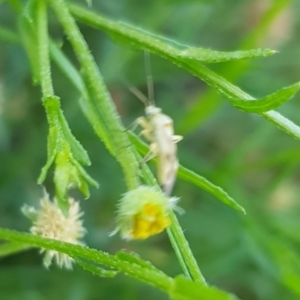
50 222
143 212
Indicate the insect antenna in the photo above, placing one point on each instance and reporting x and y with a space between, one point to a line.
149 78
139 95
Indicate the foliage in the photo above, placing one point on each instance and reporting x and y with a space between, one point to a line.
252 255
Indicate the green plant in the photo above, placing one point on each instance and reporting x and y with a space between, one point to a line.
69 156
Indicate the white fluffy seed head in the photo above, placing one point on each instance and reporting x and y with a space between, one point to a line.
50 222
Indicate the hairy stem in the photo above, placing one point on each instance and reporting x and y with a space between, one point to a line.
158 279
43 48
100 102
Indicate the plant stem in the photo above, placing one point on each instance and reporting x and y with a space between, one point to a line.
100 102
178 241
185 250
158 279
43 48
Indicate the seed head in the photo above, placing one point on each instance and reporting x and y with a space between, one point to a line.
50 222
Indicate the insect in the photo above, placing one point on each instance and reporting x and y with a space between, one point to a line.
157 129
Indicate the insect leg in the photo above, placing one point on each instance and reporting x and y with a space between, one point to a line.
150 154
177 138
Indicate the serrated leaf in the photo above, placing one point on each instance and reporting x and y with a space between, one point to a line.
185 289
95 269
84 174
77 149
269 102
205 184
169 52
211 56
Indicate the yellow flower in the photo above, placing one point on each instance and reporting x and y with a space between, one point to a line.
50 222
143 212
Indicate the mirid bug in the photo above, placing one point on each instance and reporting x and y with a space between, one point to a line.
157 128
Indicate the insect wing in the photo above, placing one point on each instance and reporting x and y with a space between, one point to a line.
167 160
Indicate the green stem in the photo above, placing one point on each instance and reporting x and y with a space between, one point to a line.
185 250
178 253
180 245
43 48
158 279
100 100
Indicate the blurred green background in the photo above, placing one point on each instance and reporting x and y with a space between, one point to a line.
255 256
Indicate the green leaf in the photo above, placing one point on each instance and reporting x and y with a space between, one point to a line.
84 174
288 264
66 151
66 67
185 289
29 39
52 147
57 119
65 175
203 183
194 178
158 46
159 280
70 174
282 123
78 151
267 103
95 269
134 258
12 248
211 56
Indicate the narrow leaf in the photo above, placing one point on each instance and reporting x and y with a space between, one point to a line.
77 150
66 67
169 52
267 103
211 56
203 183
95 269
134 258
29 40
160 281
84 174
51 152
12 248
185 289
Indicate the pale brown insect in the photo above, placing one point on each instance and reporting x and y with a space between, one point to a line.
158 131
